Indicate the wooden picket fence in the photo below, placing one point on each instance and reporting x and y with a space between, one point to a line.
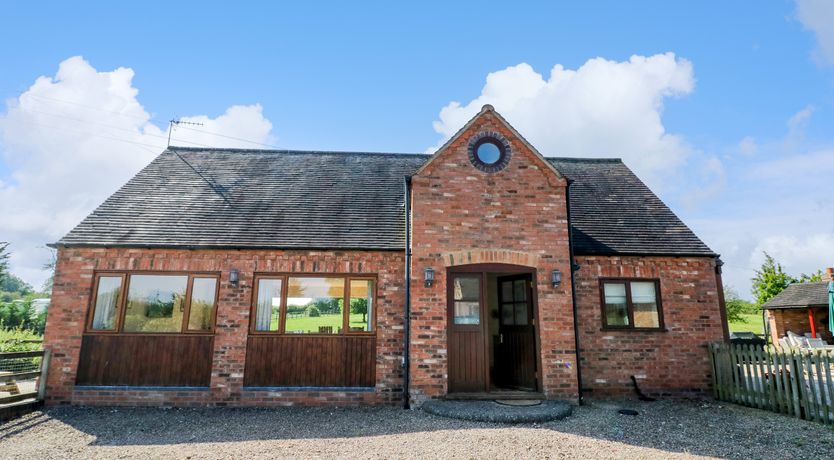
794 382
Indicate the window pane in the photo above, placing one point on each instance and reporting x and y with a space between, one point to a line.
201 315
155 303
467 295
644 299
520 290
268 307
467 287
507 291
616 312
361 305
507 318
316 305
521 314
107 298
467 312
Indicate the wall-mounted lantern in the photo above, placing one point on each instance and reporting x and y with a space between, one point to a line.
556 278
428 277
234 277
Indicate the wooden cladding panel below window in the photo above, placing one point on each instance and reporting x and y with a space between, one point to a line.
145 360
310 361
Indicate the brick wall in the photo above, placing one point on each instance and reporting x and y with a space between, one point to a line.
71 298
670 361
461 215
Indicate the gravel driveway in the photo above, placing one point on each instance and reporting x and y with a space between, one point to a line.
664 429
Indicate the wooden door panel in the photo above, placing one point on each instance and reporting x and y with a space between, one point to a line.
517 355
466 346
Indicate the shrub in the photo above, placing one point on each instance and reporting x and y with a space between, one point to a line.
313 312
21 314
18 339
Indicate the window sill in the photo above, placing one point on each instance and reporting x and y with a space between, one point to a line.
633 329
135 388
295 389
152 334
284 334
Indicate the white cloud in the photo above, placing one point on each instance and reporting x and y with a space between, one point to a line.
748 146
818 17
71 140
780 205
804 254
602 109
771 199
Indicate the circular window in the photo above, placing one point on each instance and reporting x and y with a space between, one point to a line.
489 152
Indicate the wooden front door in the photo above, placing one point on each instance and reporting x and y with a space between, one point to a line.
515 352
466 334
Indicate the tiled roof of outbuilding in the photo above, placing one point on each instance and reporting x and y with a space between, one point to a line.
800 295
226 198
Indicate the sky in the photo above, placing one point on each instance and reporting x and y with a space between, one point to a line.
725 109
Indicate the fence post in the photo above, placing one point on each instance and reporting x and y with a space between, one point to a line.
714 365
786 377
823 404
829 385
811 412
795 388
773 380
47 354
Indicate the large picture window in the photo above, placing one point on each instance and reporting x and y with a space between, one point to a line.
631 304
308 304
153 303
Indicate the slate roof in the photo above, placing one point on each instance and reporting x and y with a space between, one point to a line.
227 198
614 212
800 295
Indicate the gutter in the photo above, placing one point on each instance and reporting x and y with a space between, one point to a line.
407 317
573 268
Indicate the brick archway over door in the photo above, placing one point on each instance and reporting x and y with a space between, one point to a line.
490 256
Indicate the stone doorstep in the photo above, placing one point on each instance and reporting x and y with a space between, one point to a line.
493 412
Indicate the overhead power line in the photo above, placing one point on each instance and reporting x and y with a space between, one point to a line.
61 128
118 128
230 137
145 119
149 117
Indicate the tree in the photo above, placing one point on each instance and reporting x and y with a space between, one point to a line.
20 314
770 280
53 260
12 283
359 307
4 259
736 306
812 278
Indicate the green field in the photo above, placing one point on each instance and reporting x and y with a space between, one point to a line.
752 323
312 323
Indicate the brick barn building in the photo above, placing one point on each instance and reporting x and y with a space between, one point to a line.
263 278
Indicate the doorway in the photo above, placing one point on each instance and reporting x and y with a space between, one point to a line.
492 341
514 346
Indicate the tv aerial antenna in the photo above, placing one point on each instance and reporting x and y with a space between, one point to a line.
176 122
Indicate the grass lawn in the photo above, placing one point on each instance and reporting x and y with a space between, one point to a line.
752 323
312 323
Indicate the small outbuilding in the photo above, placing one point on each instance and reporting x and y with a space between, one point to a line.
802 308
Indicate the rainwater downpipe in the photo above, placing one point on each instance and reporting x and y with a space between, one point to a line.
573 268
407 317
